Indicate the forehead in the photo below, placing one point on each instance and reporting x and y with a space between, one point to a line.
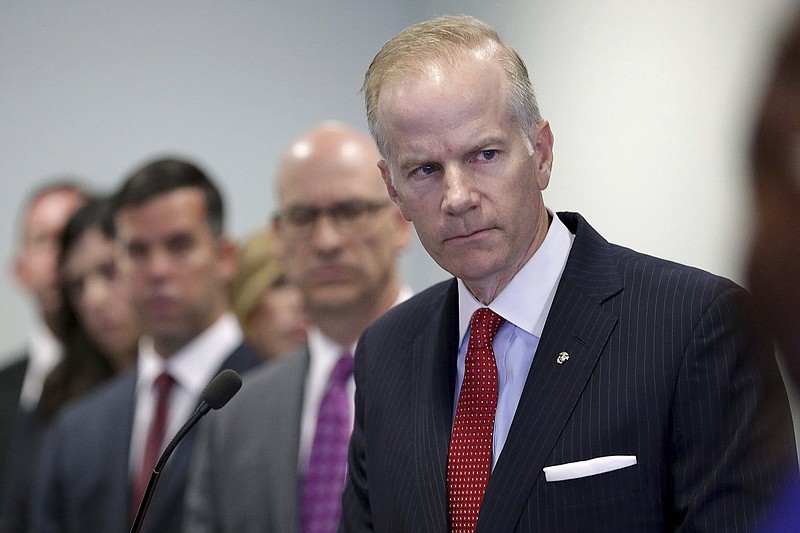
91 247
52 210
467 96
181 210
321 179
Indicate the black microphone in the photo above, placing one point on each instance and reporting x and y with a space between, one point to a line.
216 394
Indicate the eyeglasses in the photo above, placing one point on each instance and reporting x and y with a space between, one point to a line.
345 216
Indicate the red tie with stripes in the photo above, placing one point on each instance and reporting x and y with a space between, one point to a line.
469 461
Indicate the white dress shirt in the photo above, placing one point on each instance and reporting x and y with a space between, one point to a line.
524 303
44 353
323 356
192 367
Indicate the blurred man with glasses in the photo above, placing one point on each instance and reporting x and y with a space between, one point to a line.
275 459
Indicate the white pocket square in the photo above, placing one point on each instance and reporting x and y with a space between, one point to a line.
591 467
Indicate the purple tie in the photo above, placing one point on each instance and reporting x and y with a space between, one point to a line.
320 503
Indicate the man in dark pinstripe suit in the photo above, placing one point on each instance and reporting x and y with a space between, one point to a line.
626 397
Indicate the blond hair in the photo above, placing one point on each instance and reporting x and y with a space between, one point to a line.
258 268
445 40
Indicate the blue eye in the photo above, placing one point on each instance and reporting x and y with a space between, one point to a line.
487 155
427 169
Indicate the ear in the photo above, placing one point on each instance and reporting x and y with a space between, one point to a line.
402 230
18 270
227 258
543 150
279 249
21 269
387 180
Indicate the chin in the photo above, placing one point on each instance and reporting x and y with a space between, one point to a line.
333 302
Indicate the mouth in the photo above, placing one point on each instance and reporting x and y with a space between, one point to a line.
160 305
332 274
467 236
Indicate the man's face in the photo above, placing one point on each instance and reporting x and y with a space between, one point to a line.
460 170
339 266
36 266
176 269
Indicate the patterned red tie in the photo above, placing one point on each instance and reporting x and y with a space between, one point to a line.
155 437
469 461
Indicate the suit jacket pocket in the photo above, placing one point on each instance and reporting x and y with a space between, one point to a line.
589 467
594 488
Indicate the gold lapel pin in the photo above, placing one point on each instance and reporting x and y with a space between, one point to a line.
562 357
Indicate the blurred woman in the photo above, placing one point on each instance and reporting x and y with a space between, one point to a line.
269 308
99 335
100 332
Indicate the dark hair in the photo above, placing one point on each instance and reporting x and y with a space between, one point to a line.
166 175
83 365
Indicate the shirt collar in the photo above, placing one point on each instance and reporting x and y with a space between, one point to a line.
526 300
194 365
44 348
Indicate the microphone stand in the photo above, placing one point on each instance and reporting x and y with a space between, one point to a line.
201 410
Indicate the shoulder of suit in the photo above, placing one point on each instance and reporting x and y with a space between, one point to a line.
15 369
276 371
243 359
108 399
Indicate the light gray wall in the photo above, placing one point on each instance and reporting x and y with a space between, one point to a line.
650 104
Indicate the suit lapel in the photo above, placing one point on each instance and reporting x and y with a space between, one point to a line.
435 353
117 469
578 325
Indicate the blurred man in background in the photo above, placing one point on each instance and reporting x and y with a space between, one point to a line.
42 221
276 459
101 450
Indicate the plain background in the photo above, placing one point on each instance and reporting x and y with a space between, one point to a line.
651 105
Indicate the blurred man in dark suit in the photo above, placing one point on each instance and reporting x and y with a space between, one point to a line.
43 218
177 260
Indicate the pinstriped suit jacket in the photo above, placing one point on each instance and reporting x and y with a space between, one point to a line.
660 368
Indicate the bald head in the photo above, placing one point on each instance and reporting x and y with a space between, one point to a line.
339 233
328 150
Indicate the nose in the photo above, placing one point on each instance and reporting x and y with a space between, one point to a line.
158 264
459 193
325 236
96 292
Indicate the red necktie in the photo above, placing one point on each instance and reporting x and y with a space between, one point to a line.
469 461
155 437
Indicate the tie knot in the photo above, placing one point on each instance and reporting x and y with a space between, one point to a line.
162 383
343 369
483 327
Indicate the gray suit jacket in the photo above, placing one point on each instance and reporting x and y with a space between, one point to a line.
244 478
83 481
661 367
